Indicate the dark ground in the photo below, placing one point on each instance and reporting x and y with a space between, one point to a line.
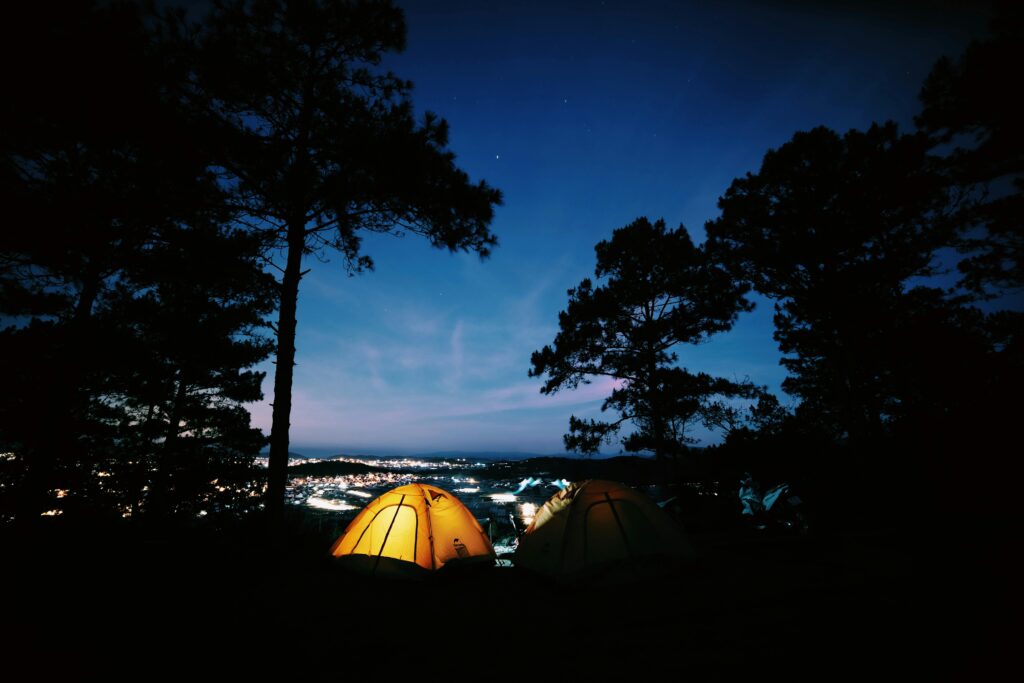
938 602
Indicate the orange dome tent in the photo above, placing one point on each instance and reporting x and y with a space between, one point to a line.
412 529
596 525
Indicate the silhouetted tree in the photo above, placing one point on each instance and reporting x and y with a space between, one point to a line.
197 330
659 291
77 160
833 228
767 415
125 289
320 145
977 124
969 106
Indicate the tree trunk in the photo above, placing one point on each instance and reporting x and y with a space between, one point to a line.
656 406
277 475
156 507
59 444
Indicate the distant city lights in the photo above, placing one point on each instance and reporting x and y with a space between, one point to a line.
383 463
503 497
528 511
488 494
326 504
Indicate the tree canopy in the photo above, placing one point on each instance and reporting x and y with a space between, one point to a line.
135 312
657 292
968 107
319 145
833 228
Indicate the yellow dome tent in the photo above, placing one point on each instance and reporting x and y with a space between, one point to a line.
595 526
411 530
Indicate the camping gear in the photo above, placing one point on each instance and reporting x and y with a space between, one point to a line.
596 526
413 530
778 509
750 497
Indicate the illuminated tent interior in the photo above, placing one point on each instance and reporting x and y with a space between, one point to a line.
412 530
597 526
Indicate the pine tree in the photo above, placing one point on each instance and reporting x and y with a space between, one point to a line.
320 146
657 292
833 228
118 273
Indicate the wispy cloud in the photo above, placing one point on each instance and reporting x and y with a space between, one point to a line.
392 363
454 379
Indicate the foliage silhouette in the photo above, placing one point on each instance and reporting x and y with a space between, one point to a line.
833 228
900 374
967 105
136 312
319 145
659 291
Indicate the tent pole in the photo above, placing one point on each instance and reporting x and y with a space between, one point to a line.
398 508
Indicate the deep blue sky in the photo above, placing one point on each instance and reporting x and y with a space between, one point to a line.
586 116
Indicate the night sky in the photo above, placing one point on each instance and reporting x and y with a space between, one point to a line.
586 116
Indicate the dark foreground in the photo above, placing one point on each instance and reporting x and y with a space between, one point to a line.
79 604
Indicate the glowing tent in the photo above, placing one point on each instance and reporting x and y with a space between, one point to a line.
413 529
599 526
